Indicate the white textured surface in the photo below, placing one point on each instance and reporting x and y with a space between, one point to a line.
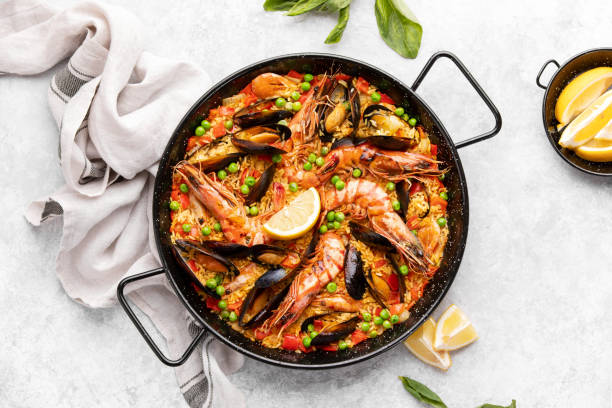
535 276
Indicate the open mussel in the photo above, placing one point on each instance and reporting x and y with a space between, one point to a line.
215 155
336 326
366 235
260 139
342 105
384 129
227 249
262 253
354 278
253 115
269 254
261 186
381 288
265 296
402 189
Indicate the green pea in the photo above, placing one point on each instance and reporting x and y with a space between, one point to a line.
378 320
233 317
335 179
289 106
228 124
249 181
211 283
295 96
444 195
339 185
280 102
347 106
313 334
305 86
323 229
199 131
366 316
222 304
217 227
337 225
331 216
385 314
365 326
320 161
331 287
233 167
441 177
306 341
415 232
339 216
296 106
396 205
183 187
186 227
405 117
403 270
222 174
308 77
330 226
386 324
244 189
220 290
324 150
375 97
254 210
342 345
225 314
206 231
441 222
277 158
308 166
293 186
174 205
412 122
390 186
283 122
312 157
356 173
311 327
399 111
394 319
373 334
206 125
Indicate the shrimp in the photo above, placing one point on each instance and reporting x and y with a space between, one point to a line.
366 196
388 164
326 263
337 303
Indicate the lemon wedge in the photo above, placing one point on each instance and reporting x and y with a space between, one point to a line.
453 330
581 92
605 134
420 343
589 123
596 151
297 218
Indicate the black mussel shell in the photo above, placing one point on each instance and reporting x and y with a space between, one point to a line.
261 186
403 196
364 234
178 254
373 109
202 250
355 115
227 249
337 96
384 141
354 278
262 300
253 140
215 162
251 116
332 333
347 142
391 142
271 277
269 254
400 278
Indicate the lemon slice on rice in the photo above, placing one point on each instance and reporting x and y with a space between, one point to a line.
420 343
454 330
582 92
296 218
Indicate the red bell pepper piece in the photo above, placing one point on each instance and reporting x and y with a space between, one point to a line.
393 282
358 336
396 309
413 222
380 263
184 200
433 149
377 311
290 342
226 111
362 85
218 130
193 265
328 347
318 324
415 188
247 90
295 74
435 200
261 334
384 98
343 77
212 304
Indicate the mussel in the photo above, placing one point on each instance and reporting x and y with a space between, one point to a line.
368 236
354 278
380 288
227 249
261 186
269 254
381 127
253 115
259 139
263 253
343 104
347 142
265 296
335 327
416 188
215 155
402 189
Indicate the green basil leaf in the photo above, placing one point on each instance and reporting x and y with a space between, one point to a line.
278 5
422 393
334 5
304 6
336 34
398 27
512 405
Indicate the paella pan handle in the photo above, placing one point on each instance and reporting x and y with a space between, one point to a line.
475 85
546 64
130 312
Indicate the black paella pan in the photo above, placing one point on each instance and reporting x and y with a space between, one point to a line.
457 211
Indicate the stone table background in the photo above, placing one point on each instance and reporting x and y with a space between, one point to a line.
535 276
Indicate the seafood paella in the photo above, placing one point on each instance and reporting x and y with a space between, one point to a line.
379 227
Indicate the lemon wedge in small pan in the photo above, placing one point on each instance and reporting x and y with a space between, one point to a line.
593 122
581 92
